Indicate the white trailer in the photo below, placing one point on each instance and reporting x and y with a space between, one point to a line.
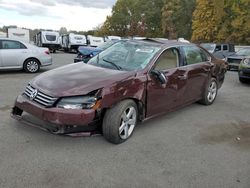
73 41
95 41
19 34
112 38
183 40
48 39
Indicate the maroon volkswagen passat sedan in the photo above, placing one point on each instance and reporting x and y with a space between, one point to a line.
129 82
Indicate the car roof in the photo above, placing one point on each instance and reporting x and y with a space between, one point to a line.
162 43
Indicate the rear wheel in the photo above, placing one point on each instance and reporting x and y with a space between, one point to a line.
242 80
31 65
119 122
210 94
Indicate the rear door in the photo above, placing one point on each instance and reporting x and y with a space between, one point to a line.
197 68
163 98
13 53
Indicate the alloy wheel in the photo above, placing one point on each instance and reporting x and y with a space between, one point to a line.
128 121
212 91
32 66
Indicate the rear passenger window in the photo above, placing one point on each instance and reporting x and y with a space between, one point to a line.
169 59
218 48
9 44
194 55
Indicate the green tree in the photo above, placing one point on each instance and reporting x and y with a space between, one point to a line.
150 18
134 18
63 30
207 18
235 27
177 18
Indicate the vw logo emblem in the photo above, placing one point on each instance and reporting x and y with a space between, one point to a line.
33 94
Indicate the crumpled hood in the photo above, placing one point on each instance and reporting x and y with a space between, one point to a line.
77 79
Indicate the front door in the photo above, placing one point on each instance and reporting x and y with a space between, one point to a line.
163 98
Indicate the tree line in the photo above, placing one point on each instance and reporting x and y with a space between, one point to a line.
196 20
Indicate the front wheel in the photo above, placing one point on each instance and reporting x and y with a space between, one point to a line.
210 93
119 122
31 66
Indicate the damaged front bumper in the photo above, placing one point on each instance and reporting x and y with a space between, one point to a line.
56 120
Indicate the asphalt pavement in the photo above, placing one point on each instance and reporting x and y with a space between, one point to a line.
197 146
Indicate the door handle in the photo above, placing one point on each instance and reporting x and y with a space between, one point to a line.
182 77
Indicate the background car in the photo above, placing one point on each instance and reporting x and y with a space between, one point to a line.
86 53
15 54
244 70
235 59
220 51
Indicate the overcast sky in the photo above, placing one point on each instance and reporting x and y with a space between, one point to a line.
53 14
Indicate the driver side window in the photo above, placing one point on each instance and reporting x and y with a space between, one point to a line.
169 59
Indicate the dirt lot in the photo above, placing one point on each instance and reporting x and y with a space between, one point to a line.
197 146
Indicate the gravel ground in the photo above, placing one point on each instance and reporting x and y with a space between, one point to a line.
197 146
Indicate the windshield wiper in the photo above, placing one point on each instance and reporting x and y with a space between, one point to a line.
115 65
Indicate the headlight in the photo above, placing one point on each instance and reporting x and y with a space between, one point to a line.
79 102
246 61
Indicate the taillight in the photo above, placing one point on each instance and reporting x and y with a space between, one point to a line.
47 52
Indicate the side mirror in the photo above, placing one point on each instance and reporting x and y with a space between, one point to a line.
160 76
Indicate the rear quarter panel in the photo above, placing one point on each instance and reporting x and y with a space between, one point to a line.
219 70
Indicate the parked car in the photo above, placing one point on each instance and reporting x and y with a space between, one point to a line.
15 54
128 82
85 53
220 51
244 70
235 59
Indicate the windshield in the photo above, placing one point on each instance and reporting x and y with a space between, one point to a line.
126 55
105 45
244 52
209 47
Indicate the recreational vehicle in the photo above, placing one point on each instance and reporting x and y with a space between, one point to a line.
49 39
94 41
19 34
73 41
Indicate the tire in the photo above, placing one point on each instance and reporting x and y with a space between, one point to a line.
242 80
31 65
119 122
210 93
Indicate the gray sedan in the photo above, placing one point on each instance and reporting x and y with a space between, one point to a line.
15 54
